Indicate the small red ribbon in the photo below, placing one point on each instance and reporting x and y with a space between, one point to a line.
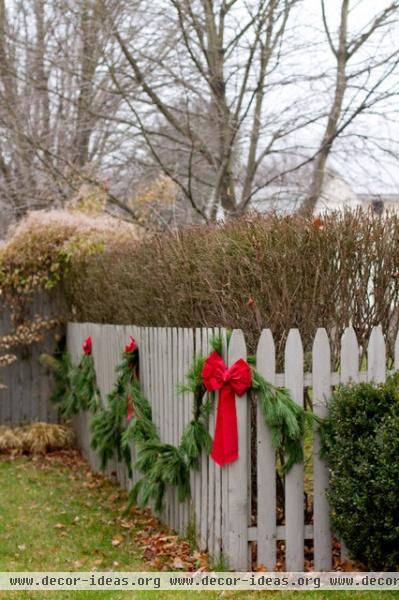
87 346
230 382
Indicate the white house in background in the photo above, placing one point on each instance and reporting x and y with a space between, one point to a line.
381 202
337 194
288 195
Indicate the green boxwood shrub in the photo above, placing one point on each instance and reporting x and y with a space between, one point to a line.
361 446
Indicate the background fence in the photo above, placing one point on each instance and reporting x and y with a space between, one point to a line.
221 512
28 382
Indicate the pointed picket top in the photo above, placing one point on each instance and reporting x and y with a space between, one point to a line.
294 365
376 356
349 356
266 355
321 358
397 353
237 347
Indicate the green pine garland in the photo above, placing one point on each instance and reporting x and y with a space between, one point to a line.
85 384
162 465
75 386
109 424
284 417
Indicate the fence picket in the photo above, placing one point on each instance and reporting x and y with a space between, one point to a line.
349 372
175 362
376 356
187 400
238 483
204 469
169 412
212 467
294 480
196 476
349 356
180 412
217 540
396 360
321 394
266 461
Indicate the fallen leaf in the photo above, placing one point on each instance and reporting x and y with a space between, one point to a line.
116 540
78 564
178 563
127 524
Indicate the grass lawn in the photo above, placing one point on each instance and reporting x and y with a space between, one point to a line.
54 515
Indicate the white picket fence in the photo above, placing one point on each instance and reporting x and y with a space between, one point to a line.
220 508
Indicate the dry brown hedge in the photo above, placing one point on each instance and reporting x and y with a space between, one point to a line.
258 271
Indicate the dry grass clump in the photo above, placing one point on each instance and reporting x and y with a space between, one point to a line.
10 440
36 438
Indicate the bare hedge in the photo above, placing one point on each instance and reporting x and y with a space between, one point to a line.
259 271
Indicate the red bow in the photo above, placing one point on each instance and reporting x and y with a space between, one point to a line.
131 346
87 346
230 382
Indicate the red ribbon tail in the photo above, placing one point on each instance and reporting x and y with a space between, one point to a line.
225 443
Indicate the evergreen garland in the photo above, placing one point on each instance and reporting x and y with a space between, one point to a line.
127 419
64 394
85 384
75 386
109 424
284 417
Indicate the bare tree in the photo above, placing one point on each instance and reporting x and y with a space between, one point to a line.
230 100
363 83
55 92
220 60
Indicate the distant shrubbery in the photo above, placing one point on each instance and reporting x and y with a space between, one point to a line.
361 441
254 272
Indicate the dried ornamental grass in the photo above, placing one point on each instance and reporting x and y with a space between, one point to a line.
10 440
39 438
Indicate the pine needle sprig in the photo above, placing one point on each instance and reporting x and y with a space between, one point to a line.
141 428
162 465
85 383
196 437
64 394
285 418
